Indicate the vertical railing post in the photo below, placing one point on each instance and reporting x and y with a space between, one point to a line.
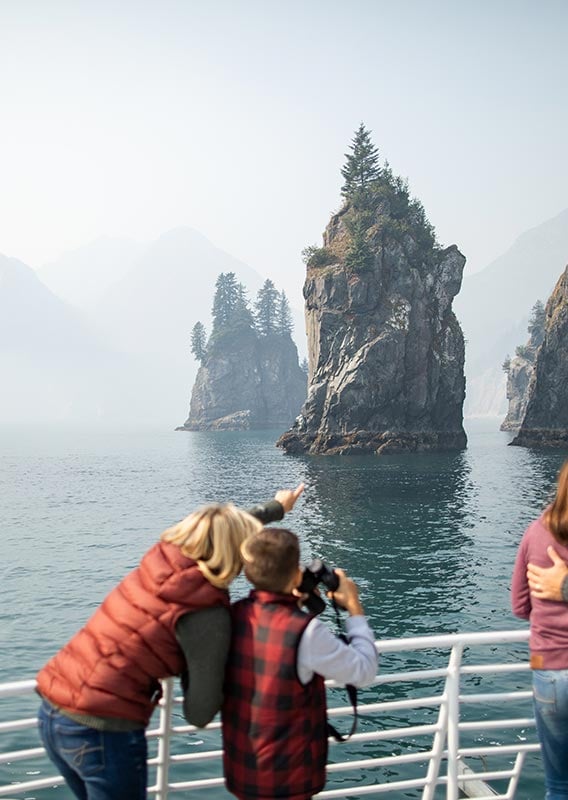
164 736
437 751
514 782
453 701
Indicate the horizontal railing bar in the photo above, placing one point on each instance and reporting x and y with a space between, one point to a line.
213 726
391 733
204 783
482 669
520 722
450 639
414 675
27 786
17 687
209 783
498 696
496 750
494 796
394 705
392 677
209 754
487 776
382 761
20 755
18 725
376 788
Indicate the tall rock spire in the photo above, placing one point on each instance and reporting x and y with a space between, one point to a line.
386 352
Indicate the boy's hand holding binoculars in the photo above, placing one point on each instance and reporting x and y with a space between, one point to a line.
347 594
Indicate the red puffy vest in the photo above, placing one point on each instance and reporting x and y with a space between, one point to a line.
274 728
111 667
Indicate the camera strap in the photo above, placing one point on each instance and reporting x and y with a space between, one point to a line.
351 690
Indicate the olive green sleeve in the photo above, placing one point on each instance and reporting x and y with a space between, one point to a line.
272 511
205 637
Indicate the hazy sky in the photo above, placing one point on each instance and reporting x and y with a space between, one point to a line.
232 116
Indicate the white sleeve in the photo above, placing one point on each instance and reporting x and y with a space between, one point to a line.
322 652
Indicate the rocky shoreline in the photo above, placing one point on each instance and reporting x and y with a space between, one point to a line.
368 443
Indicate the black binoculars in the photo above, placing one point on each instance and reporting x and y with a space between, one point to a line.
317 572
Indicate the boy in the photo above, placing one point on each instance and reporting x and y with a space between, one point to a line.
274 712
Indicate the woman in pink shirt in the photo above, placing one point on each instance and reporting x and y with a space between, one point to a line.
548 638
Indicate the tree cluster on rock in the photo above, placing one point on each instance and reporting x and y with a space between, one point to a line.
232 315
378 210
249 375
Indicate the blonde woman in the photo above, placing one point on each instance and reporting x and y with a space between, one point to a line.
169 616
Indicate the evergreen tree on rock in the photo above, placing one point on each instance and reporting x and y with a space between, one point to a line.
266 307
225 301
362 166
199 342
243 315
284 324
536 323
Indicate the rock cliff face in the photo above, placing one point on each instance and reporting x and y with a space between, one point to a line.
386 352
545 422
246 382
519 375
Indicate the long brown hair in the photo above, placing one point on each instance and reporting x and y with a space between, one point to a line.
556 515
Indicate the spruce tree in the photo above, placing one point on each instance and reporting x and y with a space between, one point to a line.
225 301
359 256
199 342
362 166
536 324
242 314
266 308
284 324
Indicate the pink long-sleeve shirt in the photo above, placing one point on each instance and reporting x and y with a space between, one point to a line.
549 619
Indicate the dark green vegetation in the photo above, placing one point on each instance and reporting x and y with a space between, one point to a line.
233 316
377 212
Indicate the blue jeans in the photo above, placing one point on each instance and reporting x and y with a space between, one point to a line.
96 765
551 711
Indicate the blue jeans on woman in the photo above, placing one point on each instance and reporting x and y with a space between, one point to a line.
96 765
551 710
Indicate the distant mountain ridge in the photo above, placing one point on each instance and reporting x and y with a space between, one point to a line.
153 307
32 317
46 350
82 276
494 305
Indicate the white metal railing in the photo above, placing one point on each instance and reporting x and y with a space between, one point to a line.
437 730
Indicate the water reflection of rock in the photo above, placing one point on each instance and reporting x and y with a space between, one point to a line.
401 528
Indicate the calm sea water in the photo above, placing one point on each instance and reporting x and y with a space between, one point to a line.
430 539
